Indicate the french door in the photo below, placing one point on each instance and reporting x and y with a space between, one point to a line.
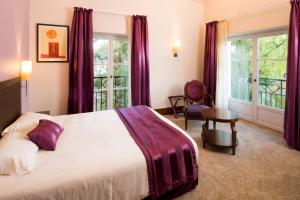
111 72
258 77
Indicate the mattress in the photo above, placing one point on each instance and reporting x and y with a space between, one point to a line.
95 158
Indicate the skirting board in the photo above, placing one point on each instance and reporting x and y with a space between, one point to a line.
166 111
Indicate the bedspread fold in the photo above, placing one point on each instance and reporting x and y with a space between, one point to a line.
171 159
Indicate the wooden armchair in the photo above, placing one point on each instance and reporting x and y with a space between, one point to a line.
196 101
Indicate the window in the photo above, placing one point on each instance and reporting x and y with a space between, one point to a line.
271 62
261 58
111 71
241 69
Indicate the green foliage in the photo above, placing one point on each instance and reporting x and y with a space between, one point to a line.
241 69
119 72
100 82
271 62
272 69
101 51
241 49
273 46
120 98
120 49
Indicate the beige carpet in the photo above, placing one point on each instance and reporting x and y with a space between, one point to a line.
263 167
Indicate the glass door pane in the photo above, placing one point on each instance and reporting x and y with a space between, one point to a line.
271 61
101 73
241 69
120 73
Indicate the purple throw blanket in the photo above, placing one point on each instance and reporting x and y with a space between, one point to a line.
170 156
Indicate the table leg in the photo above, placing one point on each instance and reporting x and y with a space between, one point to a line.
214 122
205 128
234 132
207 124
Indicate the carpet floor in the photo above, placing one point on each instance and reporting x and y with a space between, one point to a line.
263 167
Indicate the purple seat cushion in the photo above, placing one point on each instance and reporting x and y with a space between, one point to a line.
46 134
194 110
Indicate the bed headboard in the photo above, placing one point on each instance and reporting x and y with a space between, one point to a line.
10 101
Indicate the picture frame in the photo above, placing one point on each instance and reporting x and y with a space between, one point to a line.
52 43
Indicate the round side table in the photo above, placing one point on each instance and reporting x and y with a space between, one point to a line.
219 138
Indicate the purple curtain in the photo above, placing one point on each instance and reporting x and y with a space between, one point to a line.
210 59
140 88
292 107
81 65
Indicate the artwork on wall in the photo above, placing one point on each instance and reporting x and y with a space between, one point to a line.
52 43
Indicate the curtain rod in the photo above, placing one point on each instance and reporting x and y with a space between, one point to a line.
111 13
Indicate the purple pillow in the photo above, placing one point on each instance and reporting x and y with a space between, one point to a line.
46 134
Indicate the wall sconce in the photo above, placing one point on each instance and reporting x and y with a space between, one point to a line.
26 71
176 47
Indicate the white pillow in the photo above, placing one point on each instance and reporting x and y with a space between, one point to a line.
26 122
17 154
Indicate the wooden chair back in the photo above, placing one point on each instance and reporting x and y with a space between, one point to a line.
195 91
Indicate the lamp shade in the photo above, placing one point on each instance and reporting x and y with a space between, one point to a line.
176 46
26 69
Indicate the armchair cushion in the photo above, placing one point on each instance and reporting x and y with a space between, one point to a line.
194 110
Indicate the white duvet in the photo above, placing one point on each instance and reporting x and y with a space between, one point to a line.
95 158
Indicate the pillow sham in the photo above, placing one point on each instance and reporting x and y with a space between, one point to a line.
17 154
26 122
46 134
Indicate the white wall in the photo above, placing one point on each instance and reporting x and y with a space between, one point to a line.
167 19
14 37
14 44
250 15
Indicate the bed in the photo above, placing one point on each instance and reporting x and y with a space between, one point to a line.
95 158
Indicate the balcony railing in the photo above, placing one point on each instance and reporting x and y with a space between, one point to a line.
120 92
271 91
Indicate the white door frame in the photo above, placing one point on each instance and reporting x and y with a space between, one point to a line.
267 116
110 65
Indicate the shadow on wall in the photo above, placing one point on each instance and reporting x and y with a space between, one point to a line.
14 40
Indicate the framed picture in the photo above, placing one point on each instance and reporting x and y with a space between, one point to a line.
52 43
